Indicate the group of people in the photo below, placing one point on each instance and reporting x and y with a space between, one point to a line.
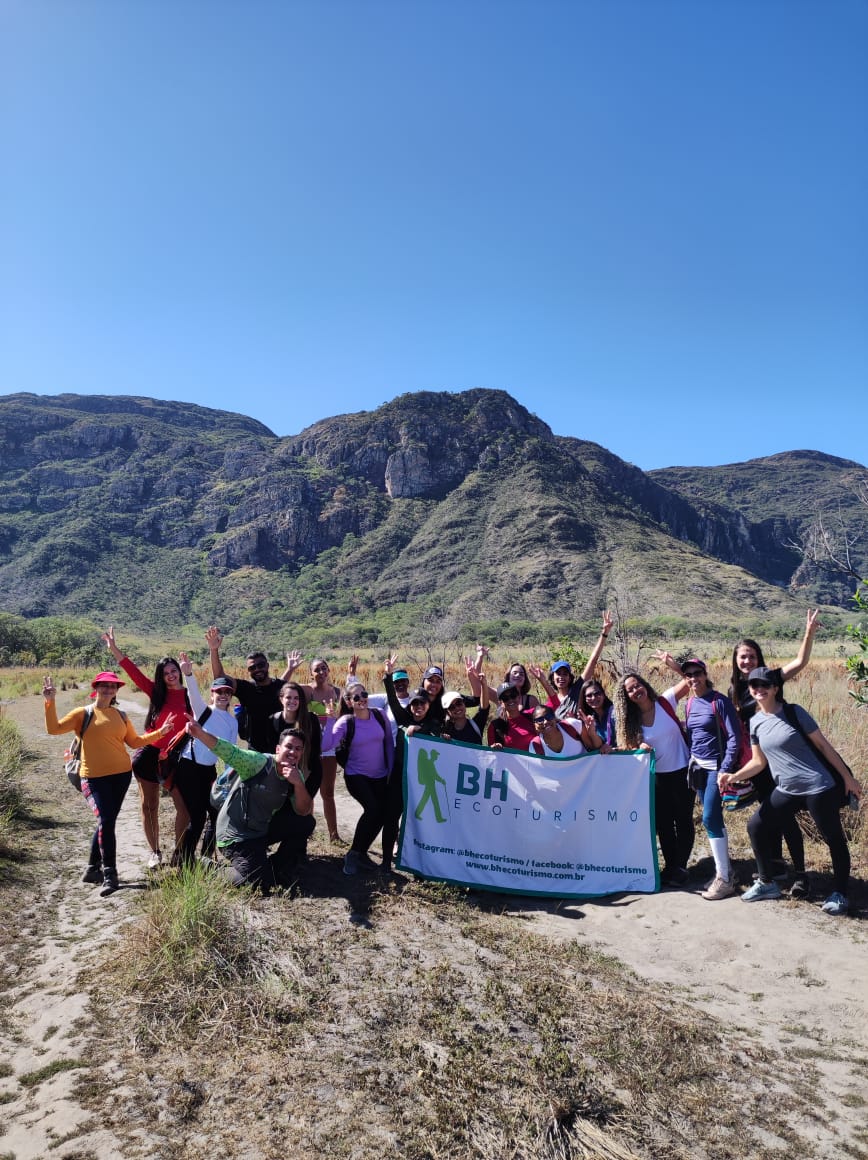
726 751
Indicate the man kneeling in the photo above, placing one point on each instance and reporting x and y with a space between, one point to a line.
270 801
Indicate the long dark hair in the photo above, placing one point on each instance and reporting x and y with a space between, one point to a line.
526 687
159 691
738 681
303 714
586 708
628 715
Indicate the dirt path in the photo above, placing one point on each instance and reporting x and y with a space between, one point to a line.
790 976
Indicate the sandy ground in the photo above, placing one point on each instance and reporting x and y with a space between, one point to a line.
785 972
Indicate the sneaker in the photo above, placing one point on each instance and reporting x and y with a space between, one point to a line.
110 883
675 877
92 874
366 862
801 887
351 863
155 860
720 888
836 904
760 891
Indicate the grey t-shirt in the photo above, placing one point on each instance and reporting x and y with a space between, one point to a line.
793 761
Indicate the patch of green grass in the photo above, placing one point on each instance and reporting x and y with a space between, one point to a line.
12 756
32 1078
197 958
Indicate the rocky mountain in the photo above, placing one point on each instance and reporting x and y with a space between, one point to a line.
436 512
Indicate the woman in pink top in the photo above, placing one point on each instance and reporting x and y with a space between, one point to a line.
170 705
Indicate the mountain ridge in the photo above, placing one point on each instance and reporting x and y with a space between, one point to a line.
436 509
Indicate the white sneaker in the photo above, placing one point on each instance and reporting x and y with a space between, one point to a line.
720 888
155 860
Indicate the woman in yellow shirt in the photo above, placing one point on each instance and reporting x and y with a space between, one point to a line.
106 768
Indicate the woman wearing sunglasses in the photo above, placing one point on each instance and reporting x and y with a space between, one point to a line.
799 758
515 729
569 737
368 760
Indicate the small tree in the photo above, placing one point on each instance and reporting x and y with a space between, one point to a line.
857 664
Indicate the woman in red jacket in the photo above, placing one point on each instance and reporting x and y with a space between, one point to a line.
170 705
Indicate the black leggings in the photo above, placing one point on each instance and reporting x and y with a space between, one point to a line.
193 781
766 826
763 785
370 793
673 810
105 796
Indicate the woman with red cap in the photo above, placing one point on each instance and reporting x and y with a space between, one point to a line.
106 768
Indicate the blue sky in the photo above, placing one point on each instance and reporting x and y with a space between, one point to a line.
645 219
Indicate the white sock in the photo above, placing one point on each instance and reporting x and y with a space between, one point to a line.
720 853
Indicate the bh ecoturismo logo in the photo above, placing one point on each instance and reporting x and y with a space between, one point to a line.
428 777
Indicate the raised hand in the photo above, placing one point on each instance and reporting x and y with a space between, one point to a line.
607 622
212 637
186 664
293 659
48 690
390 662
108 639
812 622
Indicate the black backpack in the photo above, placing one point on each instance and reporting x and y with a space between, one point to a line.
793 719
342 750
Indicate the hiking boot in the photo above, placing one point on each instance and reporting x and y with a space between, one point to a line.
93 873
675 877
720 888
110 883
760 891
155 860
836 903
801 887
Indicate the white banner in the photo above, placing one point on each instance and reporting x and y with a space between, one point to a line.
500 820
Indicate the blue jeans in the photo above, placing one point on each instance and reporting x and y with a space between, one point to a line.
712 807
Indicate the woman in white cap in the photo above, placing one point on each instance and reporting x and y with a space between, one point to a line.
106 767
197 764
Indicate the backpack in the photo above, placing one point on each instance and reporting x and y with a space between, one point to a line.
342 750
741 793
72 757
243 719
793 720
536 745
222 787
667 708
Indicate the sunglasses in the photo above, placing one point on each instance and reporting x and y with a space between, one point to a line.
106 685
593 693
759 685
257 668
359 697
544 719
511 696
